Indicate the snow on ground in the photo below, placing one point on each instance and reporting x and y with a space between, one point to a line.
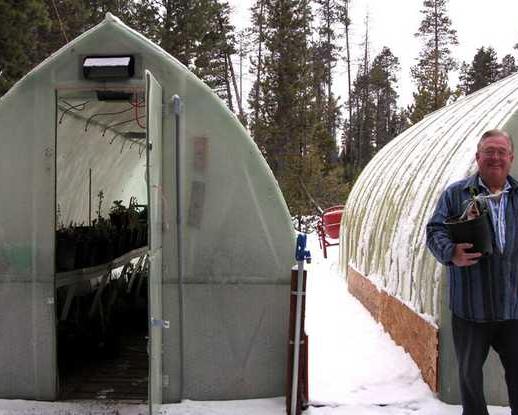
354 366
352 360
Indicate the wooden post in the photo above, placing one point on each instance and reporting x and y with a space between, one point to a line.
303 386
89 197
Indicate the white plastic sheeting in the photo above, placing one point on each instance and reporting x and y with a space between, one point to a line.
228 311
91 154
383 226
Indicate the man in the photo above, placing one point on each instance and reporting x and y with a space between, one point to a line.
483 289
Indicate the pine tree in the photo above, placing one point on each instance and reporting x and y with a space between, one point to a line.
383 79
180 29
363 111
324 111
145 17
435 61
327 52
376 117
284 119
21 24
243 43
347 145
199 34
286 73
483 71
213 61
98 8
68 18
508 66
256 100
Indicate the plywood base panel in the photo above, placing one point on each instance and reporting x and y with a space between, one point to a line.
417 336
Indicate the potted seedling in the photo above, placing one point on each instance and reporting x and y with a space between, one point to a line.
66 247
102 230
83 237
119 215
474 224
103 233
133 222
119 218
143 220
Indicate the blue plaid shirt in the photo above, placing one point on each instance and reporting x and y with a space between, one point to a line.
488 290
497 209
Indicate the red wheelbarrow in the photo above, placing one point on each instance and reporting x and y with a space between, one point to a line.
328 226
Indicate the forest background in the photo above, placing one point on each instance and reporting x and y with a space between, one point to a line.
315 143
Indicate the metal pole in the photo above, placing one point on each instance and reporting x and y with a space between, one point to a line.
177 109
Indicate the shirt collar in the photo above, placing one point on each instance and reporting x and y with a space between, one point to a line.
507 185
473 181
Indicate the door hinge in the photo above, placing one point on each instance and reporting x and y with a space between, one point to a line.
165 381
155 322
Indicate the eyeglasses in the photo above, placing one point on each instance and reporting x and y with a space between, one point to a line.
495 153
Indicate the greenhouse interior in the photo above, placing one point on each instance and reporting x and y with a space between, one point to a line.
101 224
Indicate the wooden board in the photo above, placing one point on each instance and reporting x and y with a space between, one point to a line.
302 389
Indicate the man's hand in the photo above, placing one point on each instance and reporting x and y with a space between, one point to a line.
461 258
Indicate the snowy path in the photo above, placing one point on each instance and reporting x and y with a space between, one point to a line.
355 368
352 360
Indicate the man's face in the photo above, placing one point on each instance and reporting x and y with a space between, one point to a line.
494 159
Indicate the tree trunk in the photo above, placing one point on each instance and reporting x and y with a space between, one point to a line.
259 64
227 81
363 134
436 60
236 90
330 115
349 89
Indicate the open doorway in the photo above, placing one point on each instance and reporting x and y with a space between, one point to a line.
102 265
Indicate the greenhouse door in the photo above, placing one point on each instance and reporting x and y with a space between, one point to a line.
154 184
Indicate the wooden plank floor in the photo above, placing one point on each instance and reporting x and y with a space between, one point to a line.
121 378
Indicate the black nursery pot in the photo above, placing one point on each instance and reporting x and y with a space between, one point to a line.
474 231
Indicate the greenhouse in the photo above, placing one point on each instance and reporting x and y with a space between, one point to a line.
140 222
383 251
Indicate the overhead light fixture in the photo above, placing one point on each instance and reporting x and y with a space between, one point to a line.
108 67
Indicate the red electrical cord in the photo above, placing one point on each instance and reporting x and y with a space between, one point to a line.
136 106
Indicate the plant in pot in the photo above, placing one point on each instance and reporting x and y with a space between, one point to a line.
474 224
142 219
119 218
138 217
103 240
118 215
133 223
102 235
85 246
66 247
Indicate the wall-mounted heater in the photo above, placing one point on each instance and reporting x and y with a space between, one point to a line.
108 67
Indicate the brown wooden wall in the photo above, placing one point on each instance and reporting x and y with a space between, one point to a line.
409 330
